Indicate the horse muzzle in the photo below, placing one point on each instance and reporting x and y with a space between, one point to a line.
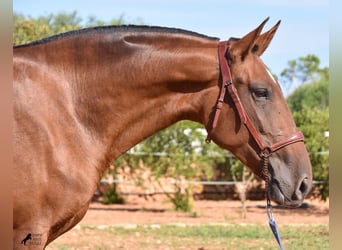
283 194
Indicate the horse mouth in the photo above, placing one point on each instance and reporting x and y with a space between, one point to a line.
277 195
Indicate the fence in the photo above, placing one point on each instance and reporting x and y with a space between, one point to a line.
256 192
227 188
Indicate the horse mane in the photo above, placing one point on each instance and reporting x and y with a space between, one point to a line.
114 29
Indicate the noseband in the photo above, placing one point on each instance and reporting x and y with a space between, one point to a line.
226 84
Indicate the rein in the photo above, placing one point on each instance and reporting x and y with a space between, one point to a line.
265 151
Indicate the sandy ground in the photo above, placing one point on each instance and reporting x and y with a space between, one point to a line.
156 214
313 212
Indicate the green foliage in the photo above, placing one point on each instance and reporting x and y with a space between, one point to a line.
313 122
201 236
305 70
111 196
178 151
181 150
28 29
237 169
315 95
182 202
310 105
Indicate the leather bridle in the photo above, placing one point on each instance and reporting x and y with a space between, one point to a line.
226 84
265 150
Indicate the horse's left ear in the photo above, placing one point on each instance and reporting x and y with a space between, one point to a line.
239 48
262 42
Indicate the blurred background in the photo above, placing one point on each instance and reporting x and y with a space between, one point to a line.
176 165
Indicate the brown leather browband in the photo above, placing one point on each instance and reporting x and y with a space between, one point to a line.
226 84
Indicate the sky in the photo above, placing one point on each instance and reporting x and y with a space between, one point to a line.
304 25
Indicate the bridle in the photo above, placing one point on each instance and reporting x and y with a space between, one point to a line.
265 151
227 84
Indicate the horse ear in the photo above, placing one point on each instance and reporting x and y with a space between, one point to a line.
240 48
264 40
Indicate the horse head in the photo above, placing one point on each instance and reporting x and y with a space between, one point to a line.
263 135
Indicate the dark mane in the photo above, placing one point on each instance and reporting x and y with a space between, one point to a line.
111 29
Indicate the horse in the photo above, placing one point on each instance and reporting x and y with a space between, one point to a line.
83 98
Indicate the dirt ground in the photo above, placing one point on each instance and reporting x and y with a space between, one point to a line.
312 212
156 214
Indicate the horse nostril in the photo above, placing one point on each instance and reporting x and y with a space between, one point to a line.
304 186
302 190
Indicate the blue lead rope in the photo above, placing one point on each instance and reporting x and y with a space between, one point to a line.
273 225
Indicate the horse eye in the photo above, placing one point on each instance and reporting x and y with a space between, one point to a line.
261 93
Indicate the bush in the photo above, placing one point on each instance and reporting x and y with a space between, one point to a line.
182 202
112 197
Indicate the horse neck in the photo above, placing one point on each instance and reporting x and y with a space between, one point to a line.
130 87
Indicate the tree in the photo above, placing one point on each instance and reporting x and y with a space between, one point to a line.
310 107
28 29
303 70
314 95
243 178
179 152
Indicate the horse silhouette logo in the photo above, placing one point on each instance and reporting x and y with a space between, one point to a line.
28 237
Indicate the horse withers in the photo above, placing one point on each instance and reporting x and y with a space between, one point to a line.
83 98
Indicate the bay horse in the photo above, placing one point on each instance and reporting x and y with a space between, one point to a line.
83 98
